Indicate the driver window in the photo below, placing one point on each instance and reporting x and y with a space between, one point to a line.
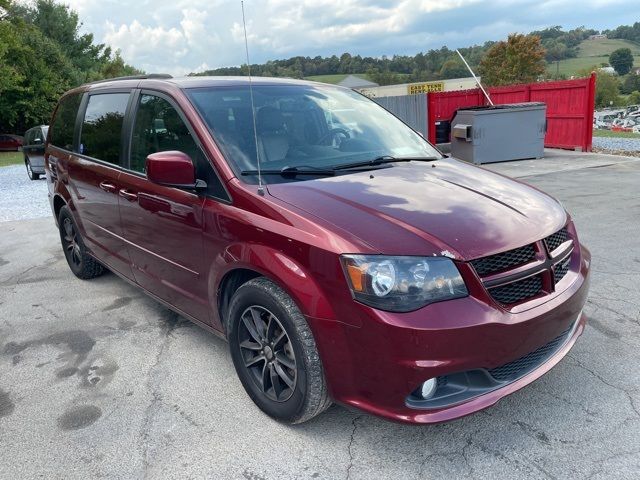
158 128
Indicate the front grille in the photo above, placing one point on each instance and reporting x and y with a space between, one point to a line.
560 270
517 291
516 369
501 261
554 241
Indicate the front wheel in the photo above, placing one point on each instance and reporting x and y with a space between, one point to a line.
30 172
274 353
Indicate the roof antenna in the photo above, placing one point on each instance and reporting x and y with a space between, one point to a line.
475 78
253 108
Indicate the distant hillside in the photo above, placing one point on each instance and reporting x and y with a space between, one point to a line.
335 78
338 77
594 52
571 48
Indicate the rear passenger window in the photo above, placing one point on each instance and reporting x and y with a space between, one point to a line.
101 132
64 122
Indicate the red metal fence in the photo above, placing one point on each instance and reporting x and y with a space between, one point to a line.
570 105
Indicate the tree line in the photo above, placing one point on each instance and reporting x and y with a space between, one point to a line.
434 64
625 32
42 55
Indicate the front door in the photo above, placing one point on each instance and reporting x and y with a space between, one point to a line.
163 225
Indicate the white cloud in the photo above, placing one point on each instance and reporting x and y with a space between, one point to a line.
180 36
178 49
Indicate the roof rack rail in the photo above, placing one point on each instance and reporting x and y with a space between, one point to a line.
133 77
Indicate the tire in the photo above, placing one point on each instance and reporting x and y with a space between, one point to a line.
260 303
80 262
30 173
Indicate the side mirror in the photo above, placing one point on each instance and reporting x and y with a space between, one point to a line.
172 169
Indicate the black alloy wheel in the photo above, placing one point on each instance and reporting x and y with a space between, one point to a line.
70 243
267 353
274 352
80 262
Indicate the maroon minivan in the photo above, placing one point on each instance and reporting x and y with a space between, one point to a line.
340 254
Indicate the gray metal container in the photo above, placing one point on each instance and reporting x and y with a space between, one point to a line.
499 133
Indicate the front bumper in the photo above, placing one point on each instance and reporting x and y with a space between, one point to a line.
376 367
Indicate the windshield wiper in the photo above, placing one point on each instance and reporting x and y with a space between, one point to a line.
291 171
384 159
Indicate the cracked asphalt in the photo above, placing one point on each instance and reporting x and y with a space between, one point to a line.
98 380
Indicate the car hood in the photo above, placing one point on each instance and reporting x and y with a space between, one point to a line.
444 207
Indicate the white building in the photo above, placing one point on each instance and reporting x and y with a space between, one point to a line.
419 87
609 70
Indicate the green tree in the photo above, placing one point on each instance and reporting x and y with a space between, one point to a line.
518 60
385 77
634 98
631 83
622 60
607 90
42 54
453 69
34 72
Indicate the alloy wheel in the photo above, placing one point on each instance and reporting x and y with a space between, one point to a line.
71 245
267 353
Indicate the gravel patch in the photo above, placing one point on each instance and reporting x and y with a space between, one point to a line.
617 144
20 197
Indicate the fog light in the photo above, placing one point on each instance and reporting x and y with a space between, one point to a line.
428 388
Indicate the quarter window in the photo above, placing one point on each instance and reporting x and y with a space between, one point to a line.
101 132
64 122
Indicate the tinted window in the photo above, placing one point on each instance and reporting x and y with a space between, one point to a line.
63 125
158 128
102 126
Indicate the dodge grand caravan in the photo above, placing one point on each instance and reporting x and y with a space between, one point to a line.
341 255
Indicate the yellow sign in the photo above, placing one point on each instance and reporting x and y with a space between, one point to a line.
426 88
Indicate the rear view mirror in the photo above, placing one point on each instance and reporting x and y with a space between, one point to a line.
37 141
172 169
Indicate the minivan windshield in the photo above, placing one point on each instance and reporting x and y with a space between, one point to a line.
303 127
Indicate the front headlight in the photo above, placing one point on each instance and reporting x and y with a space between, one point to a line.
402 284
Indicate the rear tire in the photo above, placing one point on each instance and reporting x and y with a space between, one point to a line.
30 172
275 354
82 264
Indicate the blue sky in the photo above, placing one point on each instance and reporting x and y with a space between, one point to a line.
181 36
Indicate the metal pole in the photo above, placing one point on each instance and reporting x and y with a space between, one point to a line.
253 108
475 78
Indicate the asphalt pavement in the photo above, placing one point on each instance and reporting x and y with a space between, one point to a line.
99 381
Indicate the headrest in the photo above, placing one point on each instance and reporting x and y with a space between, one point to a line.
269 119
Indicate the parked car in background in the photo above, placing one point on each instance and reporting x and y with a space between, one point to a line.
10 143
33 148
354 264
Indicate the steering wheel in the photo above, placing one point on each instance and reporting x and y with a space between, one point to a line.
332 133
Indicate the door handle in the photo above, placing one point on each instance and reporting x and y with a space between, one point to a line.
130 196
108 187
